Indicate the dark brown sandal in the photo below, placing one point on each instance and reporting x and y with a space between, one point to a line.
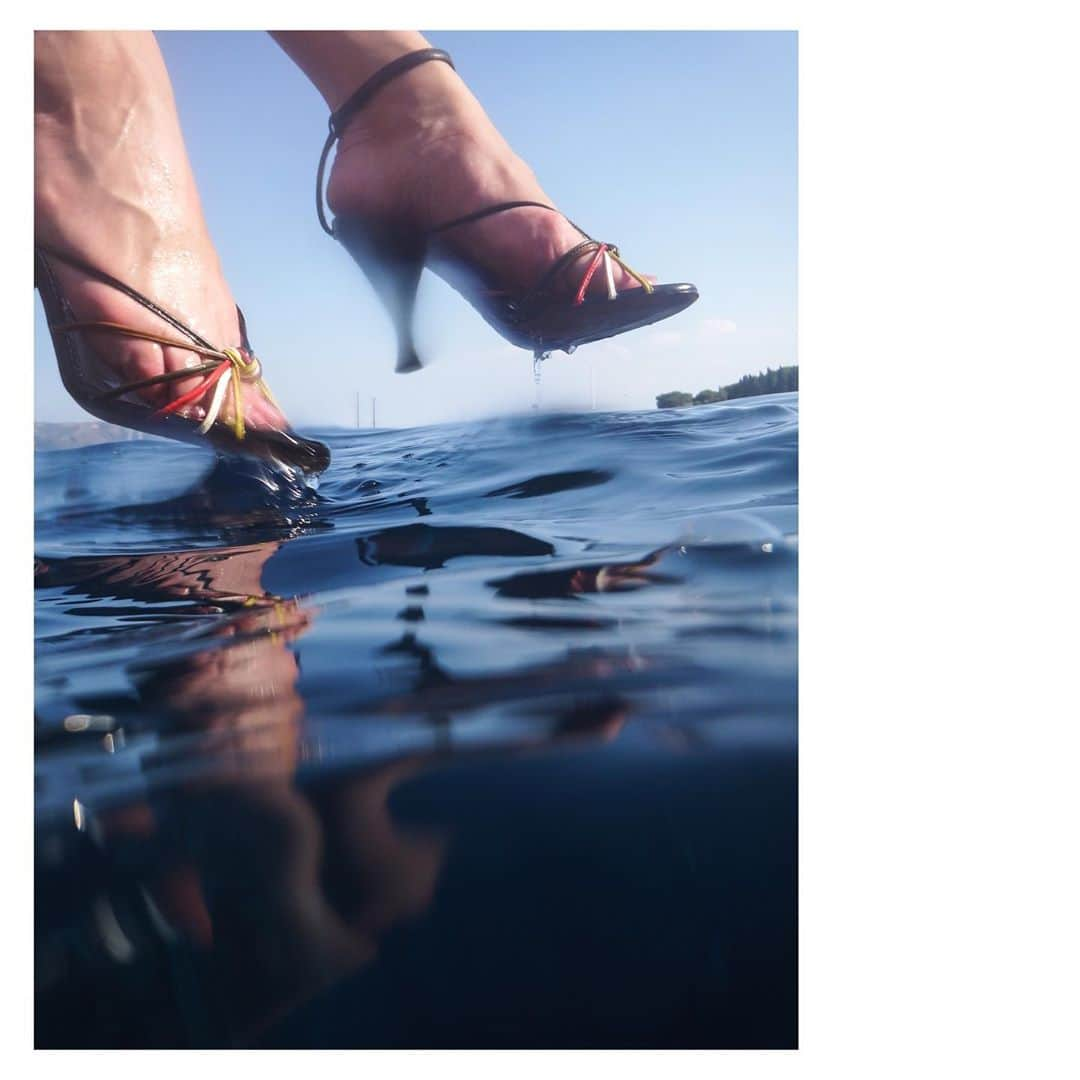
83 375
543 319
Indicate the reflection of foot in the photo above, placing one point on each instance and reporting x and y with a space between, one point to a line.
113 187
575 580
224 577
423 152
383 873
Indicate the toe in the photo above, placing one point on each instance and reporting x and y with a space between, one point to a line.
178 360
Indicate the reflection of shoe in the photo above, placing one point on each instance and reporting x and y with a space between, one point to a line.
544 318
430 547
224 371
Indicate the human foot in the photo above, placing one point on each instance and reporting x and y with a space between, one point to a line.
114 189
423 152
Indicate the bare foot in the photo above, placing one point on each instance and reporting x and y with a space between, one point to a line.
113 187
423 152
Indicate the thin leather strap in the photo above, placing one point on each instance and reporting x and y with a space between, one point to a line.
384 75
127 290
341 116
141 335
154 380
498 208
557 267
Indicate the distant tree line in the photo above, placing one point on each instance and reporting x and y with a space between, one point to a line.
778 381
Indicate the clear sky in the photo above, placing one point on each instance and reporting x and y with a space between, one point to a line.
679 147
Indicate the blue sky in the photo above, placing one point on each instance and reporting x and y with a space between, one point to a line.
678 147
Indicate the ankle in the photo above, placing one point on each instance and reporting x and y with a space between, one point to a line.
423 105
421 144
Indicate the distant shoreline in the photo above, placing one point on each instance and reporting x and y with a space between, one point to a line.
781 380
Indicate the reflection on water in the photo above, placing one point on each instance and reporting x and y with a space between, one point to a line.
430 547
574 580
313 773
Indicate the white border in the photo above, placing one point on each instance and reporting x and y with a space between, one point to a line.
938 290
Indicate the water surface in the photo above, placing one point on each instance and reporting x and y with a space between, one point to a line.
488 742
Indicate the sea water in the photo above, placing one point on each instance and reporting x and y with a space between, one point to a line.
487 741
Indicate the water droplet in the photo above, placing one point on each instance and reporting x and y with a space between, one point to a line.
538 359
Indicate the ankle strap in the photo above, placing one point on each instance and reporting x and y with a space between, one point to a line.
498 208
385 74
341 116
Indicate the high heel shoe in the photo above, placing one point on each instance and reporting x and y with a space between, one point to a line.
543 319
93 385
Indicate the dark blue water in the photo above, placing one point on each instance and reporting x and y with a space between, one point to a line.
488 742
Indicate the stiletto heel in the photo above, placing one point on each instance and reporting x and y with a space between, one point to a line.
223 371
393 260
545 318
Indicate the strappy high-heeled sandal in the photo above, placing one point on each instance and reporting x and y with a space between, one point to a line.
543 319
93 385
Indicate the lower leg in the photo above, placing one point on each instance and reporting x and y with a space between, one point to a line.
114 188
